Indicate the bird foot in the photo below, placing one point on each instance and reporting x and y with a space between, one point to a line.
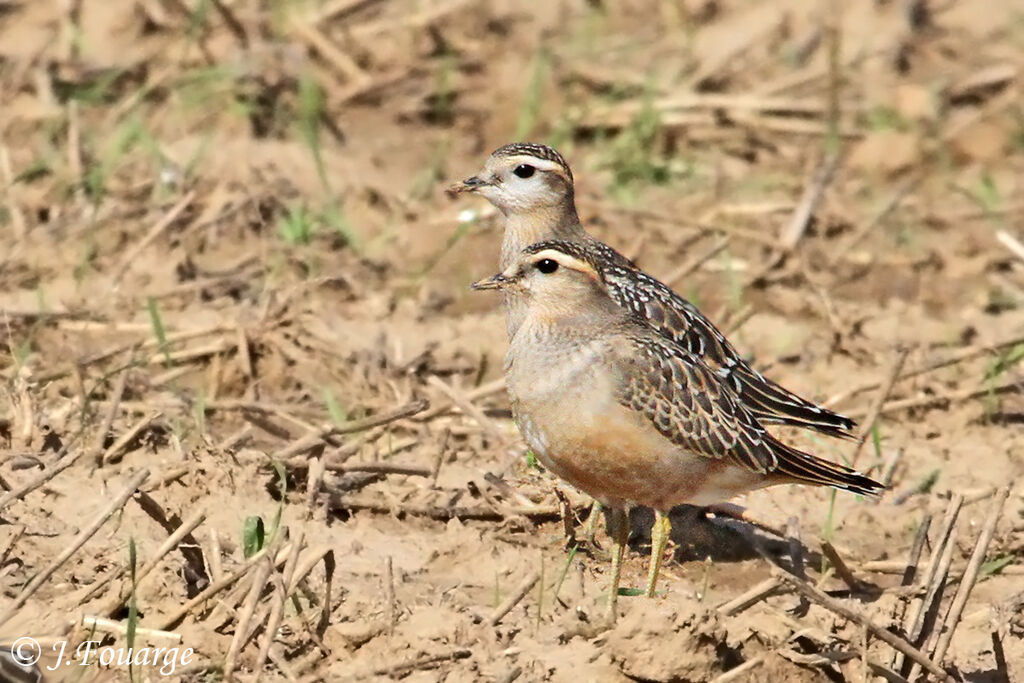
589 548
588 544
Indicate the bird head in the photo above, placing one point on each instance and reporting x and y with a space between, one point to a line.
522 178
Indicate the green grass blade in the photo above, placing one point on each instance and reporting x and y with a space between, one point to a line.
159 331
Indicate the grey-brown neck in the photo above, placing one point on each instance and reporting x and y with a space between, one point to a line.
560 336
522 230
544 223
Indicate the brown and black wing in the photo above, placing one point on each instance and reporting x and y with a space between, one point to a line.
693 407
679 321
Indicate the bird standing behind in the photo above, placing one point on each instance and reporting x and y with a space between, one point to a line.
532 186
624 414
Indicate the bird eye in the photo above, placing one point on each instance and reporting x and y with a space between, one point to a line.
547 266
524 170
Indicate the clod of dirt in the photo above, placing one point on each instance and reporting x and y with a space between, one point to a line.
672 642
885 152
981 141
916 102
356 634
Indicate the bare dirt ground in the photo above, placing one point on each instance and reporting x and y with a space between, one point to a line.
231 284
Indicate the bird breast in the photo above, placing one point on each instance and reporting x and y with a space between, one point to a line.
556 384
563 398
563 392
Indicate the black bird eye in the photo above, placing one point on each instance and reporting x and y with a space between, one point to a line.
547 266
524 170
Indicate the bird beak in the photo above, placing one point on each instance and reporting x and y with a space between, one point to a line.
469 185
498 281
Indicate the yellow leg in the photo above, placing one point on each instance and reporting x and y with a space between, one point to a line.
659 537
618 529
591 525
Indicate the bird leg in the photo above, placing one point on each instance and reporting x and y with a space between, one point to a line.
659 537
618 529
590 527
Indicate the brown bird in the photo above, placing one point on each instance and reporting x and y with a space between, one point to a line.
626 415
532 186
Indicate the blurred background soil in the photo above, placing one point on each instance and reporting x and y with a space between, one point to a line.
230 278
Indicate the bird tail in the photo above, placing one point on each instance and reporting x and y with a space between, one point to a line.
805 468
772 404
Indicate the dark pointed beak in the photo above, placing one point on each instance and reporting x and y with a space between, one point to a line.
494 282
468 185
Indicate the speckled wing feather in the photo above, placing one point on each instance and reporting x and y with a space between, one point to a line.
690 404
679 321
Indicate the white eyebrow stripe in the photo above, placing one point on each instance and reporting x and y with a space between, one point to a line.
564 259
539 164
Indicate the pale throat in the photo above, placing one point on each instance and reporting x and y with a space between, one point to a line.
524 229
